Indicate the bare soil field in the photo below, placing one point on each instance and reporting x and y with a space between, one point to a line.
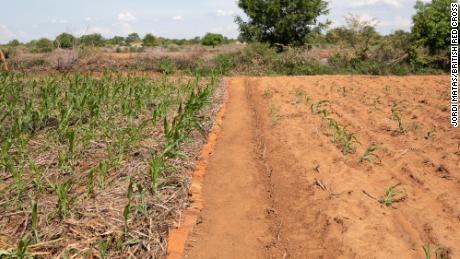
332 167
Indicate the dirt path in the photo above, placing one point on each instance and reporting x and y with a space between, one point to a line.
234 222
278 186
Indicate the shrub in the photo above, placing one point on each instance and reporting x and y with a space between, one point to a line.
223 63
256 58
14 43
43 45
167 66
292 63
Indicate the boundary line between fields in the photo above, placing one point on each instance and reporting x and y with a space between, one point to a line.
177 237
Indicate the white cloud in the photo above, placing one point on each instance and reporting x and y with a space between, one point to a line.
363 3
225 13
61 21
89 19
178 18
5 33
125 22
126 17
398 22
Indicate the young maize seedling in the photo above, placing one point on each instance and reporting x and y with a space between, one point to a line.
428 250
89 190
102 248
142 207
376 102
267 93
127 209
396 115
70 135
62 192
387 90
391 196
301 97
430 134
36 174
104 168
343 138
315 108
21 249
18 184
343 91
368 154
274 114
156 165
437 251
34 220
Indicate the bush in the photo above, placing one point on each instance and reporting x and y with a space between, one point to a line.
255 58
166 66
43 45
297 66
223 63
9 52
14 43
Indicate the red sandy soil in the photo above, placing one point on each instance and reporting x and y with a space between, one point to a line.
278 187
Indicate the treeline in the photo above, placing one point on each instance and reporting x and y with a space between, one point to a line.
132 41
294 24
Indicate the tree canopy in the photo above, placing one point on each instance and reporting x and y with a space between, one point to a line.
212 39
133 37
64 40
432 25
149 40
94 40
286 22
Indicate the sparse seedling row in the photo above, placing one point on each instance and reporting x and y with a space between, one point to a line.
340 134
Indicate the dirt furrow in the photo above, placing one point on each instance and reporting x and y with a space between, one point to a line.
235 222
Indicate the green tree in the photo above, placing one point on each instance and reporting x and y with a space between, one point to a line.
432 25
361 35
133 37
14 43
43 45
212 39
118 40
394 47
64 40
92 40
286 22
149 40
338 35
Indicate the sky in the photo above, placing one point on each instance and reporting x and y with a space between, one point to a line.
32 19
